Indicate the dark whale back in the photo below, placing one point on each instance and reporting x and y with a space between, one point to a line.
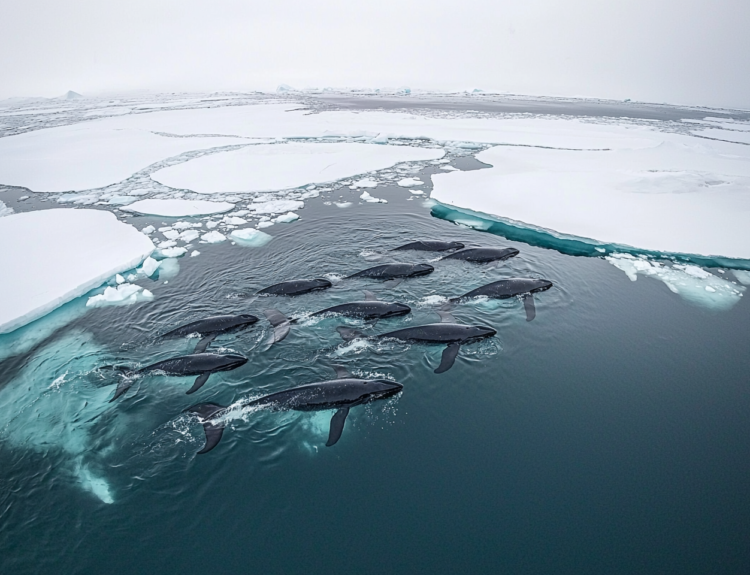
296 287
441 333
368 309
394 271
329 394
197 363
509 288
430 246
215 324
482 255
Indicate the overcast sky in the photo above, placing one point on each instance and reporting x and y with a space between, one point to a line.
677 51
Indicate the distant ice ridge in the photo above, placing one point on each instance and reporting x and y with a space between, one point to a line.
693 283
683 196
263 168
60 255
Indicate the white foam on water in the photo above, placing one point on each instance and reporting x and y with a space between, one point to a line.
692 283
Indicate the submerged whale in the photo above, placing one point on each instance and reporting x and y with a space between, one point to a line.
448 332
430 246
512 287
394 273
200 364
210 327
340 394
296 287
370 309
482 255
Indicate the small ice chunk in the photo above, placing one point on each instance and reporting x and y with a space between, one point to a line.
173 252
234 221
364 183
211 225
5 210
380 139
213 237
119 279
189 235
410 182
286 218
265 224
171 234
448 168
368 198
149 267
195 253
167 244
123 294
418 192
148 230
342 204
250 237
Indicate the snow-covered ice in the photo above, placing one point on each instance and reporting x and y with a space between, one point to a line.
410 182
277 206
682 196
87 155
53 256
286 218
274 167
250 237
5 210
176 208
364 183
368 198
123 294
149 266
213 237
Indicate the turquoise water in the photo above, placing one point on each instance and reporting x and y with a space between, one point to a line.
611 434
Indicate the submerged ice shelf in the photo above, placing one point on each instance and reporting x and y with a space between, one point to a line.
59 255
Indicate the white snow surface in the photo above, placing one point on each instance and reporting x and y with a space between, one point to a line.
59 255
177 208
683 196
87 155
271 167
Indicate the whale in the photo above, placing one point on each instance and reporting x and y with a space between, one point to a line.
200 364
341 394
508 288
296 287
371 309
210 327
430 246
393 274
482 255
446 332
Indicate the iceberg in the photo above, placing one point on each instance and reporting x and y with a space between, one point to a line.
178 208
271 167
80 248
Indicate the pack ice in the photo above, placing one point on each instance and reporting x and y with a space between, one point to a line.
53 256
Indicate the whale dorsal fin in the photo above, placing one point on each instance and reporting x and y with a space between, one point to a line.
528 305
390 284
199 381
445 316
341 372
204 343
449 357
369 296
337 426
280 325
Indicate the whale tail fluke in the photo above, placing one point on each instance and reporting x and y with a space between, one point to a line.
212 429
349 334
280 324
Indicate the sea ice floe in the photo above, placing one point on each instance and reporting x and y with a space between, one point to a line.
410 182
149 266
652 199
342 204
213 237
277 206
177 207
742 276
364 183
87 155
250 237
79 248
123 294
282 166
148 230
175 252
368 198
692 283
189 235
286 218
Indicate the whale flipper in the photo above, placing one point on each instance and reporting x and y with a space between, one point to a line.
337 426
199 381
528 305
348 333
213 430
445 316
122 386
393 283
341 372
449 357
204 343
280 325
369 296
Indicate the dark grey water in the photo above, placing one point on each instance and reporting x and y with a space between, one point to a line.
610 435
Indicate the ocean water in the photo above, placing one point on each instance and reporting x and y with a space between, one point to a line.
609 435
